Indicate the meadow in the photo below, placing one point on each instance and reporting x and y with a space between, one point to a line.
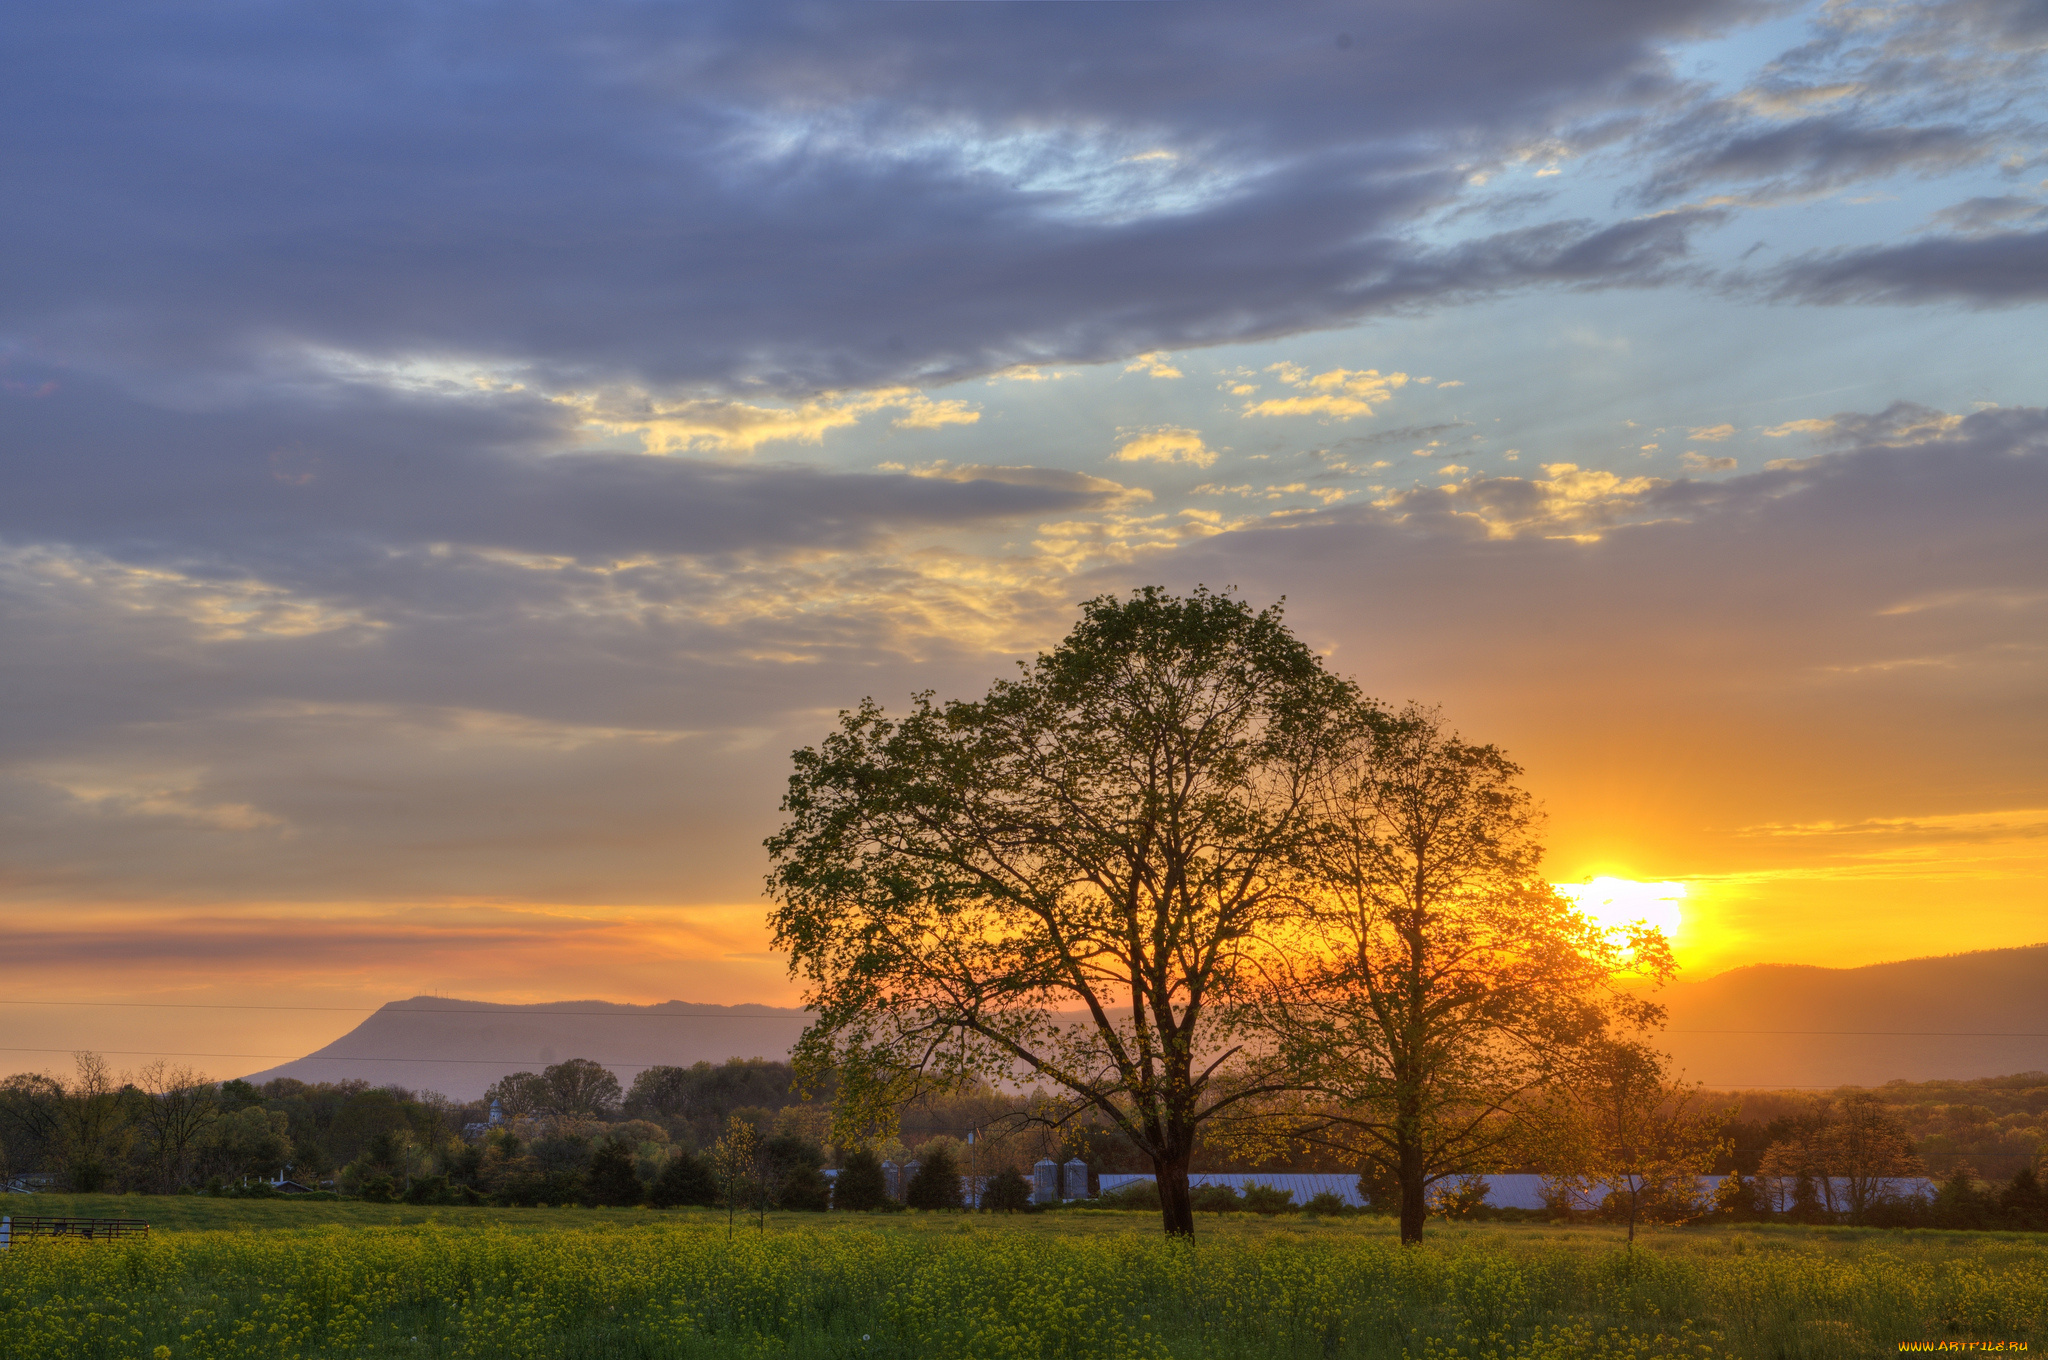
223 1278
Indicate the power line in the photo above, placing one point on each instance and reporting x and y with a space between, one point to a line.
399 1010
1879 1033
317 1057
704 1015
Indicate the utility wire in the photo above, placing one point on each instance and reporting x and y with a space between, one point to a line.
705 1015
626 1062
396 1010
317 1057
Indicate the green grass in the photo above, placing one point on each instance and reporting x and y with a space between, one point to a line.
262 1278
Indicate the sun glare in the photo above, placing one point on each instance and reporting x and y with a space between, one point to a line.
1619 902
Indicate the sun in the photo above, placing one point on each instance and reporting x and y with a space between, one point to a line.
1619 902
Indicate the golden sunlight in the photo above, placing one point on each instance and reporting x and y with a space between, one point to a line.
1619 902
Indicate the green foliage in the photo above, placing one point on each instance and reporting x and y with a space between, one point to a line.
1379 1187
937 1182
1327 1203
1458 1197
1216 1199
1260 1198
2023 1203
612 1178
1112 830
1436 978
1009 1193
1806 1205
1961 1202
684 1179
861 1185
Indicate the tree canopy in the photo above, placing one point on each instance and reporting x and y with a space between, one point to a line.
1067 879
1436 980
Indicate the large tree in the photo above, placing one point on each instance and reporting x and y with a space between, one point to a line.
1437 982
1067 880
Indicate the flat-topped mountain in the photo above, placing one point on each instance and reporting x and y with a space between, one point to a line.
460 1047
1981 1014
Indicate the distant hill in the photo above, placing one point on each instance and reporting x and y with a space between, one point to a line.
460 1047
1953 1017
1950 1018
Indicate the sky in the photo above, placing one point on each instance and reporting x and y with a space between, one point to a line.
453 454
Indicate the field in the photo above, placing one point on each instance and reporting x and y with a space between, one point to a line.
276 1279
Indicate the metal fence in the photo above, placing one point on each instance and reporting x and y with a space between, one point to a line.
12 1227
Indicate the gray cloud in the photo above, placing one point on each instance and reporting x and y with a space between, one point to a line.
1997 212
272 483
1986 270
1821 153
788 194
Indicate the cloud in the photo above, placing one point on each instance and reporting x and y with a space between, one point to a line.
1154 364
2005 269
1943 826
831 204
1699 462
1342 393
1983 215
1817 154
117 505
1083 487
1170 445
1799 427
734 426
1712 433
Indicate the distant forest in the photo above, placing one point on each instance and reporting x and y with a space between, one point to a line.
572 1133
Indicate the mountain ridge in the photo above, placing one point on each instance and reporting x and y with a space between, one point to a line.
1980 1013
470 1044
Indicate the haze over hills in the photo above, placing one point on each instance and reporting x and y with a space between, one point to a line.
460 1047
1960 1016
1957 1016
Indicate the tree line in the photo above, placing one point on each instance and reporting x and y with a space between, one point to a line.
736 1135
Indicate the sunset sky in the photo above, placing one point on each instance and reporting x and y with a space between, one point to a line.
453 454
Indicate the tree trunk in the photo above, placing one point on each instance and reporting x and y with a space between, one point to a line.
1414 1193
1175 1205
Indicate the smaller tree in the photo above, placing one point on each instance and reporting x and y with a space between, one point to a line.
1632 1141
733 1159
1740 1198
937 1182
1806 1202
1379 1187
1864 1144
1268 1200
861 1186
2023 1203
613 1180
1458 1197
795 1167
1010 1193
684 1179
1801 1145
1961 1202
